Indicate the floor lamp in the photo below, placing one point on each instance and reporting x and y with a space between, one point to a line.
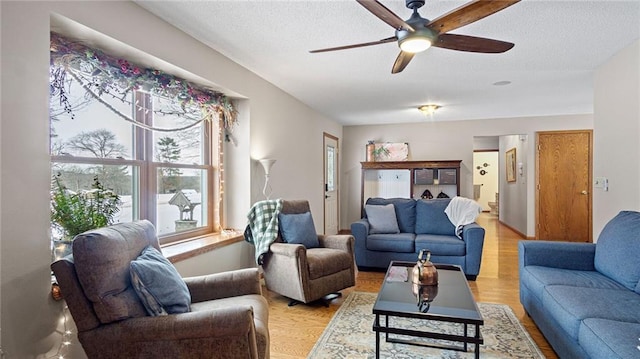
266 164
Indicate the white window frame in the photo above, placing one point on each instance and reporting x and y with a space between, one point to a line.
145 169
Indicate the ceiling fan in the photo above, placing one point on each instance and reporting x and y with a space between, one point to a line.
417 34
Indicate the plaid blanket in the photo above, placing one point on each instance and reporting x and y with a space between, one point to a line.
262 229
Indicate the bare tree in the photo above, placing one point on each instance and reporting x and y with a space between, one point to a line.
99 143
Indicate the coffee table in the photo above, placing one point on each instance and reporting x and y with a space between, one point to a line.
453 303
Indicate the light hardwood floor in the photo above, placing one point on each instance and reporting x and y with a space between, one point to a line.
294 330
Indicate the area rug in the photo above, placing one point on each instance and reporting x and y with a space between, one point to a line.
349 335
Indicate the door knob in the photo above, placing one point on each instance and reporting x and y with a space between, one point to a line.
584 192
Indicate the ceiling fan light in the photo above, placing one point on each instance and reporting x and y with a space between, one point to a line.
415 44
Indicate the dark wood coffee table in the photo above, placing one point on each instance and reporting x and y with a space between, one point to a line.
453 303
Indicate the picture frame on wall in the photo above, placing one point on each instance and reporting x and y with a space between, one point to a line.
511 165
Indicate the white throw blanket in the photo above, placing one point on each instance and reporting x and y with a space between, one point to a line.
462 211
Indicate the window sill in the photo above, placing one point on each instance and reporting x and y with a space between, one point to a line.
190 248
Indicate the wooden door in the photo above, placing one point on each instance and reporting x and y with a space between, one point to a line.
331 184
563 186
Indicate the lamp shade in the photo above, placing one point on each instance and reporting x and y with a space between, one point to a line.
266 164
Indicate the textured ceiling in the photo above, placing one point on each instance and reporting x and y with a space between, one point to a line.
558 45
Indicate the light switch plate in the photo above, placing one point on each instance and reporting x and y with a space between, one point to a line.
601 182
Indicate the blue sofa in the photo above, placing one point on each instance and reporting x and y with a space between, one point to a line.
585 297
423 224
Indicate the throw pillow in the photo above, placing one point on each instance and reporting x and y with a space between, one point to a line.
298 229
158 284
405 211
382 219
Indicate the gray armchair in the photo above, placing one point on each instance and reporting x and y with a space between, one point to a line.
228 316
306 275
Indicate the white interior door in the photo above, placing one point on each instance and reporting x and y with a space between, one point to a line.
330 184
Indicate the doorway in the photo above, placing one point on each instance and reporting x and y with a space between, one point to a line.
485 179
563 185
331 184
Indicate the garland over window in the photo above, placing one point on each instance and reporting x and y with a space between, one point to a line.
101 74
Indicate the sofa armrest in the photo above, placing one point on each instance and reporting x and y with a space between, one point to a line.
288 249
566 255
472 232
224 285
342 242
473 237
360 229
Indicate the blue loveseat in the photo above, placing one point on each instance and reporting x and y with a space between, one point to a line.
422 224
585 297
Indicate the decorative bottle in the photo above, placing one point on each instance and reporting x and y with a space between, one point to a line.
370 148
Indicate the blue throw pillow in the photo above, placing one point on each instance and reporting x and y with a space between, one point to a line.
382 219
158 284
298 229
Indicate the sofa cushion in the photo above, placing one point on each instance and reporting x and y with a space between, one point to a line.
536 278
327 261
158 284
618 249
102 259
401 242
405 211
570 305
441 245
431 219
382 218
604 338
298 229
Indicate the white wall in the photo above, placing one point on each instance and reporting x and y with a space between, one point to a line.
236 256
617 136
514 197
485 143
446 141
270 117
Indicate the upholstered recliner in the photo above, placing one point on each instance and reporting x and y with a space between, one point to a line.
309 274
228 316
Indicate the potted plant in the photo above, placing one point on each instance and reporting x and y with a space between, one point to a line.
73 213
380 153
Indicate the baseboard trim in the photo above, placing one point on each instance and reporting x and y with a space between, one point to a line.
524 236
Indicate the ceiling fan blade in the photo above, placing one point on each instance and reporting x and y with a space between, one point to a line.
385 14
471 44
402 61
468 13
383 41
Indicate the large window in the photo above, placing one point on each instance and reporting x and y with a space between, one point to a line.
150 137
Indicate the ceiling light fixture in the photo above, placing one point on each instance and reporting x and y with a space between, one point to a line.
418 40
428 109
415 44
